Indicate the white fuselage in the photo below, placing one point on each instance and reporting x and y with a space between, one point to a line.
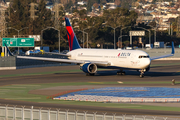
132 59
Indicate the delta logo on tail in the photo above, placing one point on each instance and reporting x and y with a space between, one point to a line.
73 42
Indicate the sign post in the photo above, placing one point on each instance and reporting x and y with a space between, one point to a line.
135 33
17 42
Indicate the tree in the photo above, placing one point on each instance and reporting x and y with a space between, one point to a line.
90 4
154 1
117 2
82 14
43 20
69 5
19 16
117 18
125 4
153 23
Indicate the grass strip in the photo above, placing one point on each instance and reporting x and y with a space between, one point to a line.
14 94
40 73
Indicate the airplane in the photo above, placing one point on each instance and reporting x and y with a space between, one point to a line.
91 59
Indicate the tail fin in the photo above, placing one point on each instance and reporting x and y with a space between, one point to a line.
73 42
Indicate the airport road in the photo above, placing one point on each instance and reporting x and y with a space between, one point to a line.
160 71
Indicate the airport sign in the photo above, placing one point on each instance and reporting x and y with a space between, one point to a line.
137 33
18 42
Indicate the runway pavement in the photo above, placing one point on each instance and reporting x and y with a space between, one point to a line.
160 71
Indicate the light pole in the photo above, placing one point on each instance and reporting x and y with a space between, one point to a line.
54 29
148 31
87 35
87 40
83 36
22 29
123 29
154 32
114 34
14 29
121 39
18 32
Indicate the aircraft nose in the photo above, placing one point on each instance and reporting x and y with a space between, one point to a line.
148 62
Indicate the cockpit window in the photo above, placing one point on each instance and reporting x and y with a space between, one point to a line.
143 56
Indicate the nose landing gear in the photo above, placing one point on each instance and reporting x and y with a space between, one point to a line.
141 76
142 73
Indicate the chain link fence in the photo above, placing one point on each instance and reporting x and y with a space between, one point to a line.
23 113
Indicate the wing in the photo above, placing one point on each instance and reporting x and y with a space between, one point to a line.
164 56
99 63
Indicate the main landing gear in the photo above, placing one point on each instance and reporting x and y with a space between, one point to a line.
121 72
90 74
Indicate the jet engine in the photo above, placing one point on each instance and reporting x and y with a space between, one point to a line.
89 68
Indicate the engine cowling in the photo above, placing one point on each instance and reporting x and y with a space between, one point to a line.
89 68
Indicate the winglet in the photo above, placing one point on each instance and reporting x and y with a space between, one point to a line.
8 50
173 51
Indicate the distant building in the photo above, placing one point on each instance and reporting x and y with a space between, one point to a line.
144 18
111 6
81 8
49 5
66 1
82 3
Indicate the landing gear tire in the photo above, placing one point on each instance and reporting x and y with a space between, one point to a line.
90 74
141 76
121 73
